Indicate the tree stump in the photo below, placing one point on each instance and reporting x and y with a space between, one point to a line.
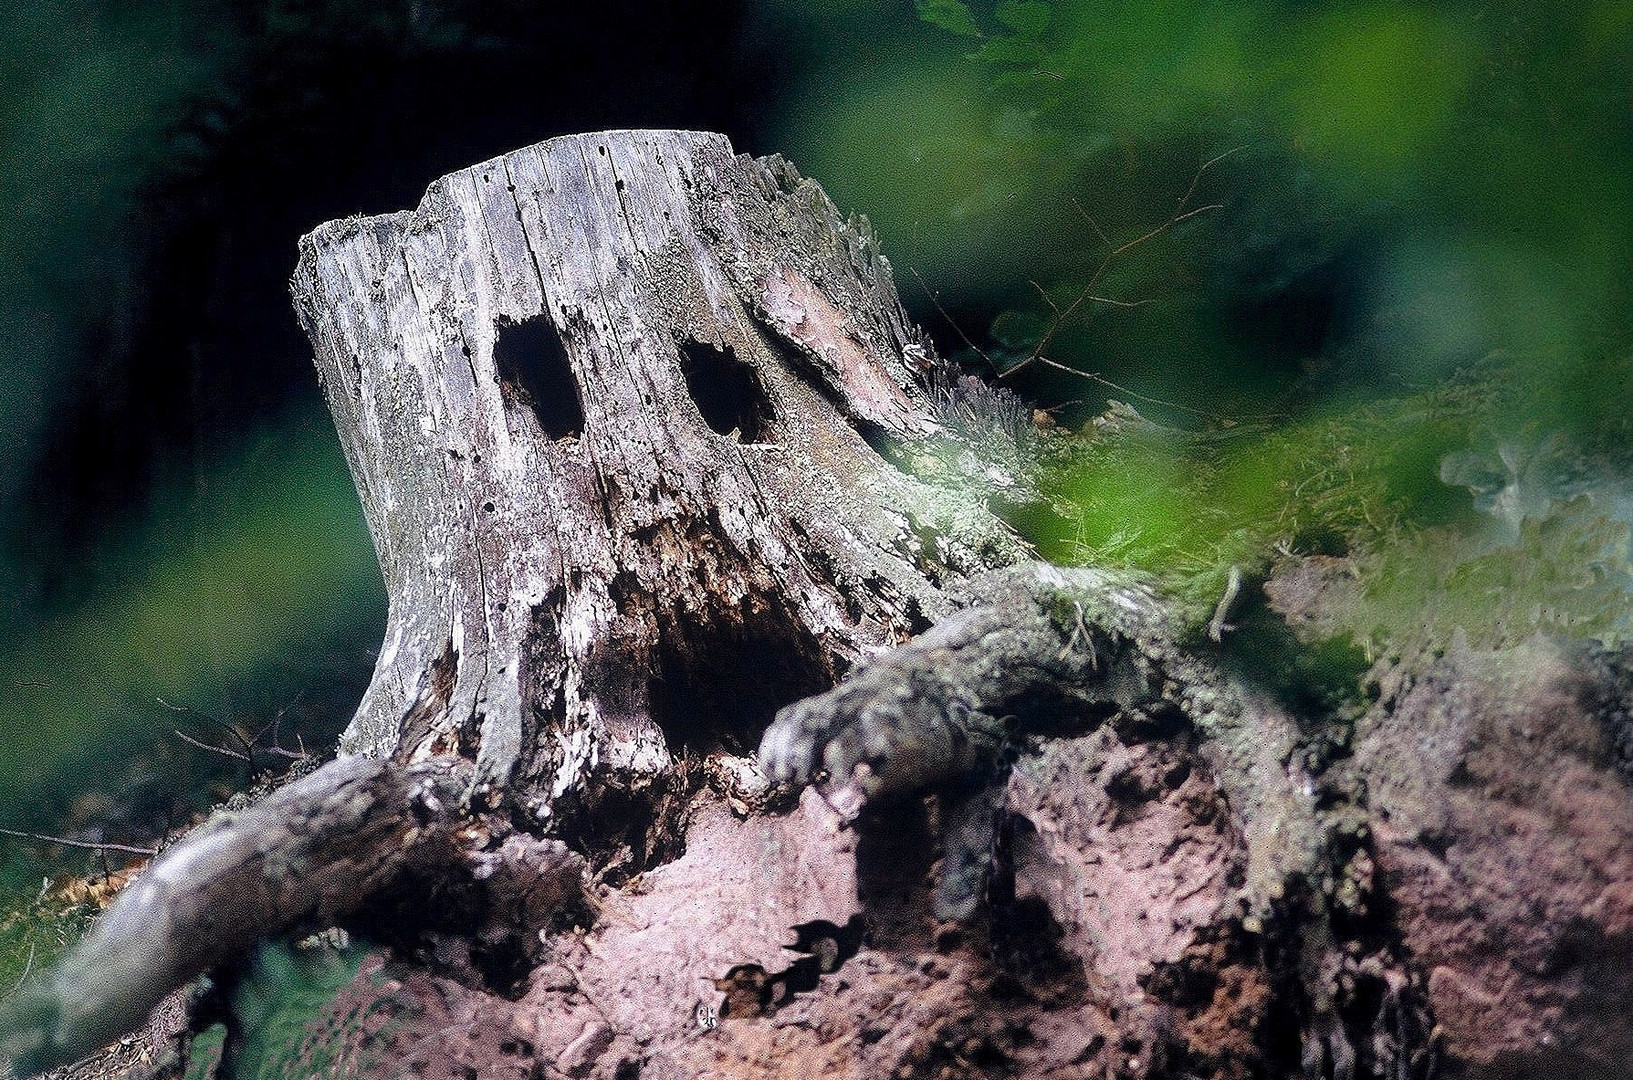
612 404
659 473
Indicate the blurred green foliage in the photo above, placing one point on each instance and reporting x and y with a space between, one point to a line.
1361 480
1374 236
280 1008
1190 506
244 583
235 586
227 604
1445 179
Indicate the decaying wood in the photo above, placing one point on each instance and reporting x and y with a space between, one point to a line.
607 402
656 466
611 404
1044 647
307 853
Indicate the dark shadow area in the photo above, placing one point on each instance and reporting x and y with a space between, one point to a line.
182 332
720 685
752 991
896 851
831 945
534 372
879 440
1027 949
727 392
1389 1018
623 833
1317 681
1617 717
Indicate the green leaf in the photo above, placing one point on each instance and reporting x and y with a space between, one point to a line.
1025 17
951 15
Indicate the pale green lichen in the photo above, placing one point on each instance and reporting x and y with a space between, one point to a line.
1567 574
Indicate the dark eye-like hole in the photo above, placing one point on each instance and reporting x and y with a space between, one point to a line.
534 371
727 392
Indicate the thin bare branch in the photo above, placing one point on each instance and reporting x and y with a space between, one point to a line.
1197 179
275 747
1135 394
1199 210
1042 295
248 755
79 843
1088 294
28 969
959 330
1093 224
202 745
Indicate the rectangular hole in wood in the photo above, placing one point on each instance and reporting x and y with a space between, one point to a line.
727 392
534 371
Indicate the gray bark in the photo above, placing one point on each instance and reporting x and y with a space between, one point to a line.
611 404
310 852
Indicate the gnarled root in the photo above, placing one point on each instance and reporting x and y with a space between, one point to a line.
306 856
1034 641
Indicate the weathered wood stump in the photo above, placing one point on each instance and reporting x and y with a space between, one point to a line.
659 473
608 401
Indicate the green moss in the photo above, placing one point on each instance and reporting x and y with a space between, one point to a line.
205 1053
283 1009
1315 679
1186 507
1063 609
